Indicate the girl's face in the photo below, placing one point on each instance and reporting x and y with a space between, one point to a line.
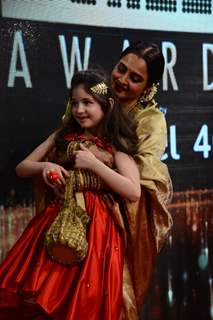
86 110
129 78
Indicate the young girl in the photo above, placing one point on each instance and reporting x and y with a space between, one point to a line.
32 284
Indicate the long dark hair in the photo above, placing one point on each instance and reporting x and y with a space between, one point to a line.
153 56
117 128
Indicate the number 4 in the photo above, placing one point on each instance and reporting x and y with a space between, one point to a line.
201 143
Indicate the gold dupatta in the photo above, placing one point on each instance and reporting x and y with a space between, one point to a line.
149 220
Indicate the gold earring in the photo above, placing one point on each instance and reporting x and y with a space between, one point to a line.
149 93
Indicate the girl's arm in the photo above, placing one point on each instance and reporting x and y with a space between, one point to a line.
32 164
125 182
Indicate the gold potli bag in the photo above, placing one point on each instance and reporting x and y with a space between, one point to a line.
66 238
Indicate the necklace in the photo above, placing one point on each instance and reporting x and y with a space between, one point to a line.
132 107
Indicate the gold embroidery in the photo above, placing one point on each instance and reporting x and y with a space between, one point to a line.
66 238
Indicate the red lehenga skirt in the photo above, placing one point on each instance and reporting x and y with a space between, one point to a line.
32 286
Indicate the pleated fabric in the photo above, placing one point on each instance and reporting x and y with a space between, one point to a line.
33 286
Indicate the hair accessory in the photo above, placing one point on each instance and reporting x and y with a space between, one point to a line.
149 93
100 88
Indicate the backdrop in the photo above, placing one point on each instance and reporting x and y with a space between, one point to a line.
42 43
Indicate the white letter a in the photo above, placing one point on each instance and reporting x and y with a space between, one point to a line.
18 47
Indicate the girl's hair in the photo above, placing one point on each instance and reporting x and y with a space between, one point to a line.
117 128
153 56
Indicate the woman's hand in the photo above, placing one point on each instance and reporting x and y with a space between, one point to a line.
102 155
85 159
54 175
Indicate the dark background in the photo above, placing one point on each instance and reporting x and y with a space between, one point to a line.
28 115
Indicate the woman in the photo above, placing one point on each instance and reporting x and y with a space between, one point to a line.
135 79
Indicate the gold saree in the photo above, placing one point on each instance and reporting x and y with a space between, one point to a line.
148 220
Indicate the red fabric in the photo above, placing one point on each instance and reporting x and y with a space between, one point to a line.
101 143
91 290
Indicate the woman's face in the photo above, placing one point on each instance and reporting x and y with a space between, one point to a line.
129 78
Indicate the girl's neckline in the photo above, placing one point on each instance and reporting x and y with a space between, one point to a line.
100 142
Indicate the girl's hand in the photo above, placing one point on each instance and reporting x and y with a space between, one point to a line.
54 175
84 158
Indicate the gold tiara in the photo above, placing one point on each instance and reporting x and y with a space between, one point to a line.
100 88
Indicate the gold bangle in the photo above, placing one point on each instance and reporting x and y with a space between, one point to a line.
81 180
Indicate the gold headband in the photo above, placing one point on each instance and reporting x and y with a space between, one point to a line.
100 88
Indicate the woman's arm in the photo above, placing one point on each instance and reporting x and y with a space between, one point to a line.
32 164
125 182
152 134
103 156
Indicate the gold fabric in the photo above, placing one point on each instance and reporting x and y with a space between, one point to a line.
66 239
154 175
148 219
